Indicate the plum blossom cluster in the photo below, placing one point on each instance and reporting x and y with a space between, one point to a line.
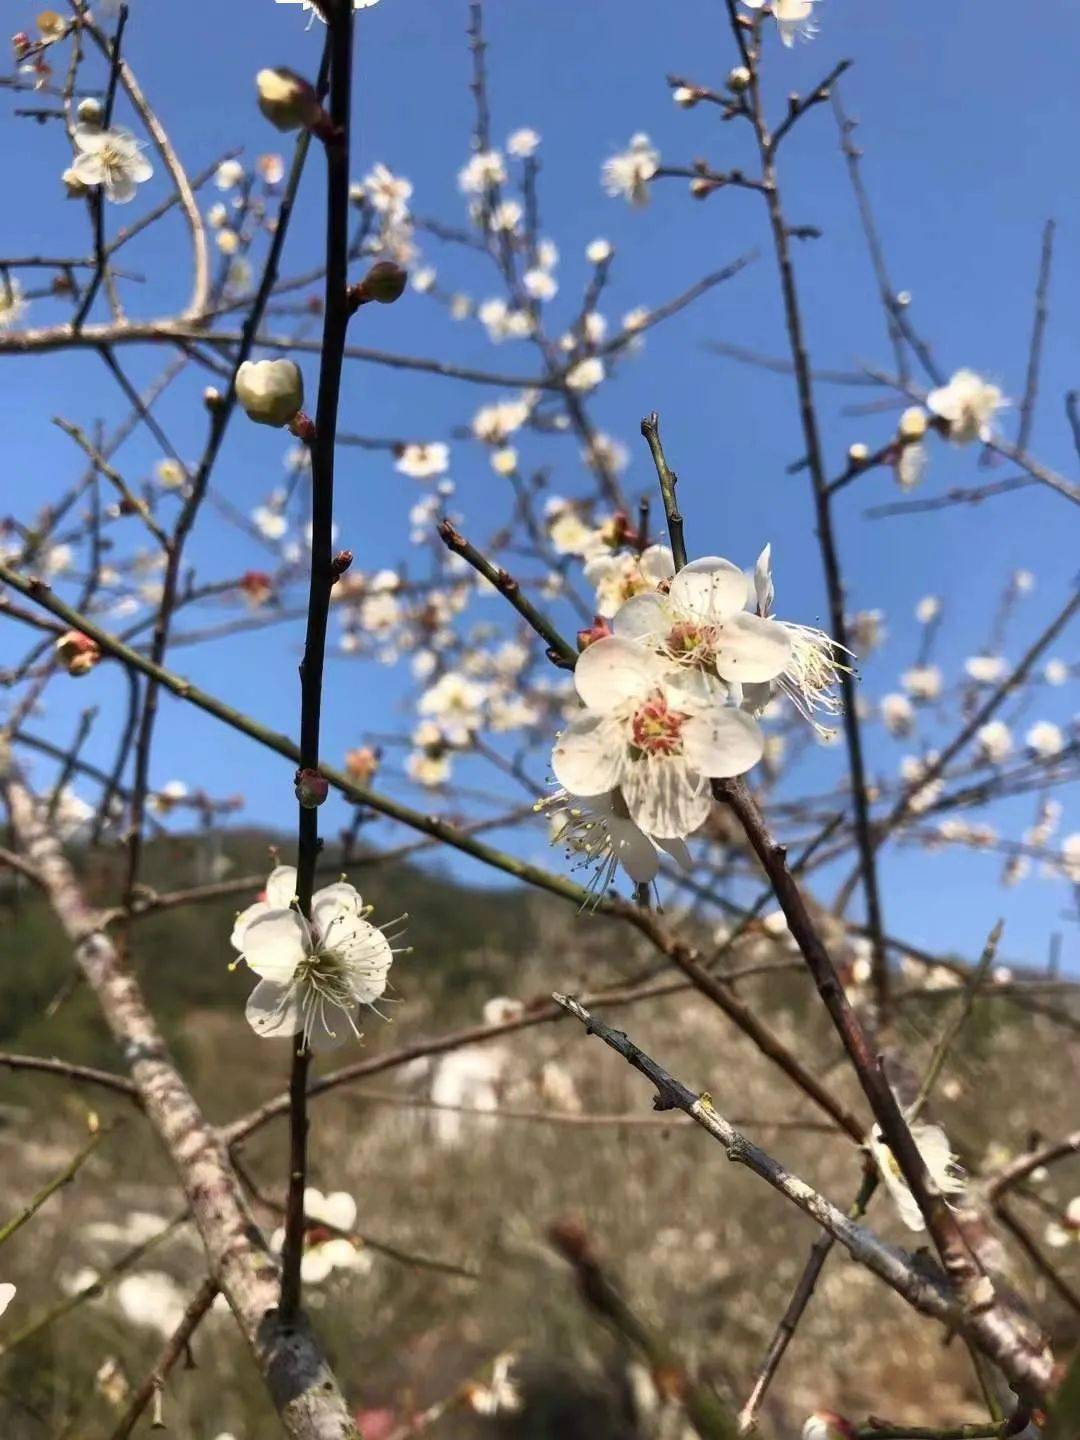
670 700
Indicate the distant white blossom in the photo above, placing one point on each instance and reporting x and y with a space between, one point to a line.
627 174
968 405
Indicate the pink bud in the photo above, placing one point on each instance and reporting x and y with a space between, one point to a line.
600 629
77 653
311 788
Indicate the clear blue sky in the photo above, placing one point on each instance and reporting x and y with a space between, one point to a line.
968 112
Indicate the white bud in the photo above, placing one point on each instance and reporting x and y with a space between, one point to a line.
858 452
739 79
89 111
271 391
912 423
287 100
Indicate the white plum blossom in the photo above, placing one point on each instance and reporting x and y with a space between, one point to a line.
994 740
586 374
1045 739
617 578
794 18
928 609
387 193
598 833
307 970
628 173
454 702
986 669
702 625
968 405
647 733
423 461
599 251
112 159
1055 672
7 1294
495 423
522 143
484 172
228 175
933 1146
922 682
897 714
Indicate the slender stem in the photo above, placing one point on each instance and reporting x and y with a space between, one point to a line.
176 1346
650 428
335 326
57 1183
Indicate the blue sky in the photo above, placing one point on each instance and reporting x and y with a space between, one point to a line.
963 125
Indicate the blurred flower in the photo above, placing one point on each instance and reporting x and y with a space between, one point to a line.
793 18
422 461
617 578
112 159
228 174
628 173
967 404
522 143
151 1299
1045 739
484 171
12 305
933 1146
994 740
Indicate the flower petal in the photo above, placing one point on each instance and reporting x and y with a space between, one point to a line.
752 650
281 886
641 616
244 919
676 848
339 1210
275 943
665 797
369 956
613 670
272 1010
634 851
709 589
588 755
721 743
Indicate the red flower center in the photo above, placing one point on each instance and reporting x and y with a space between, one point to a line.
657 728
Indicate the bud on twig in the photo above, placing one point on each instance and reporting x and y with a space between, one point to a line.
339 564
600 629
289 101
311 788
271 391
384 283
77 653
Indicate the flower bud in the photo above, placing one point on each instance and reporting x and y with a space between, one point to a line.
600 629
271 391
827 1425
738 79
384 283
20 43
287 100
858 452
311 788
212 398
686 96
257 587
339 564
89 111
913 423
77 653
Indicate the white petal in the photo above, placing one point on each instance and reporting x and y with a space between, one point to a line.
709 589
752 650
679 853
7 1294
721 743
588 755
328 1029
90 138
87 168
244 919
275 943
315 1265
656 563
613 670
333 903
339 1210
641 616
369 955
634 851
281 886
665 797
272 1010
